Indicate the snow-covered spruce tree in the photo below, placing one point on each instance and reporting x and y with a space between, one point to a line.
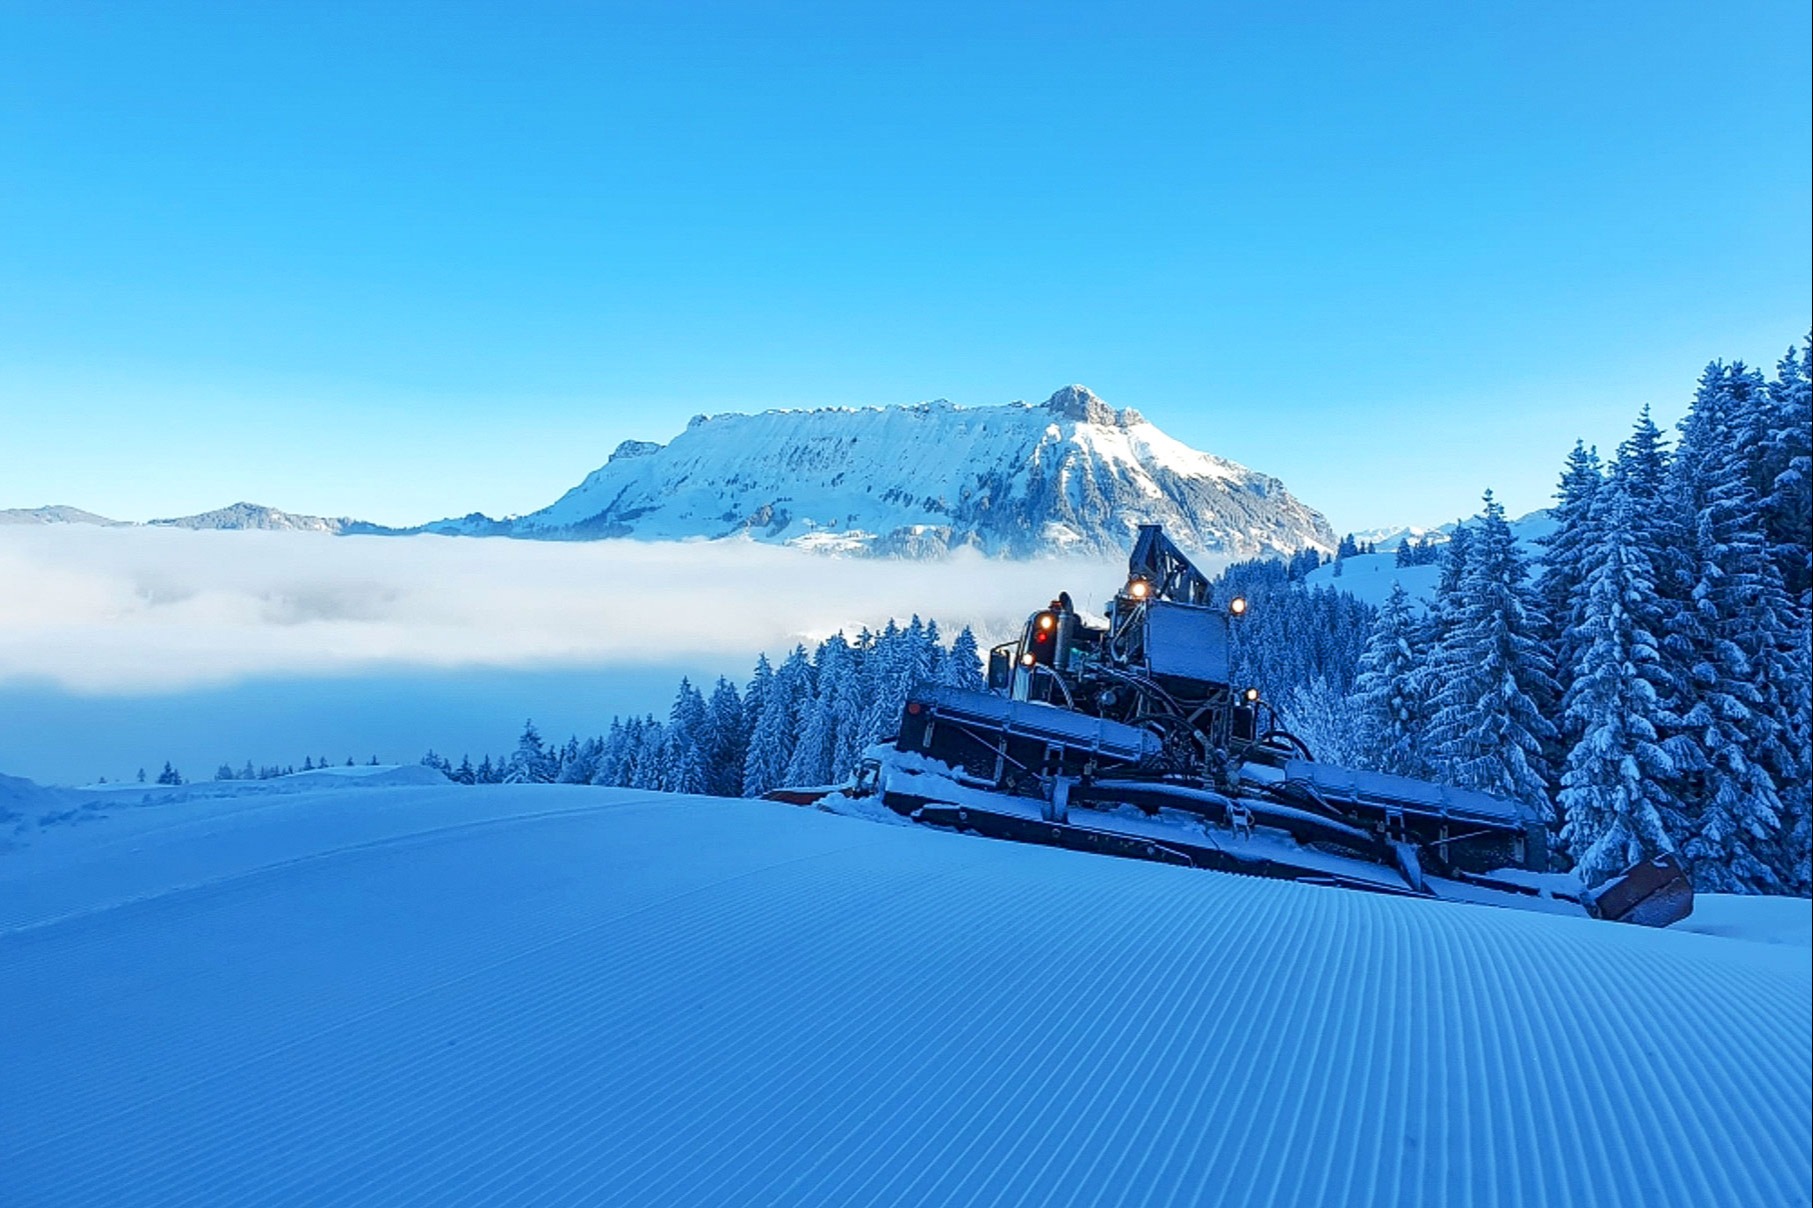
1793 857
1645 470
651 766
1387 692
847 724
880 671
1788 522
682 766
815 748
755 700
916 664
580 765
1787 465
932 642
1486 731
840 686
1613 790
1326 721
609 764
683 760
728 738
617 766
1440 630
1732 639
1563 567
963 665
771 742
531 764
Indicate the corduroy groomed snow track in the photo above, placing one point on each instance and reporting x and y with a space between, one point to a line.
537 995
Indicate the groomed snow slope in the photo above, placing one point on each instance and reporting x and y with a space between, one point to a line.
445 995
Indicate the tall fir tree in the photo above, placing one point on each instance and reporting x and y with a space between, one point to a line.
729 740
685 756
814 755
1614 781
1730 737
1486 730
1788 472
1388 690
772 740
755 700
1442 657
531 764
1558 585
651 768
963 665
880 672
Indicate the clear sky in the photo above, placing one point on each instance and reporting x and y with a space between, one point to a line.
402 261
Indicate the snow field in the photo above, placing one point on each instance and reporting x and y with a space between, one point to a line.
514 995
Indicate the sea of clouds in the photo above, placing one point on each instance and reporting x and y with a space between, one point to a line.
99 611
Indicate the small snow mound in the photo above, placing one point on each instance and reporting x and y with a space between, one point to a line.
1761 920
20 796
365 774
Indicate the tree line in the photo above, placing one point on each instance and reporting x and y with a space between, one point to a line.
804 722
1643 681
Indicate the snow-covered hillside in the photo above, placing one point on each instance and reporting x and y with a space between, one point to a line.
1370 576
535 995
1071 475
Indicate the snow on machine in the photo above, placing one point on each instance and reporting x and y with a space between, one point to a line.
1129 738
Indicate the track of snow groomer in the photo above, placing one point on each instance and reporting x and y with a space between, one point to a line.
539 995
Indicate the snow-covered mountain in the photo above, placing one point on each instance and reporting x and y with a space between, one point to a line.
1070 475
257 516
56 513
1386 540
233 516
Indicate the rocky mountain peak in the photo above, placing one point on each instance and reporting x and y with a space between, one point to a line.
639 448
1083 405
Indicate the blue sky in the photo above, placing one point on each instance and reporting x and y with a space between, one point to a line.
403 261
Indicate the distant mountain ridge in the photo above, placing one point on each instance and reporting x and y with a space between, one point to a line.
56 514
232 517
1069 475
